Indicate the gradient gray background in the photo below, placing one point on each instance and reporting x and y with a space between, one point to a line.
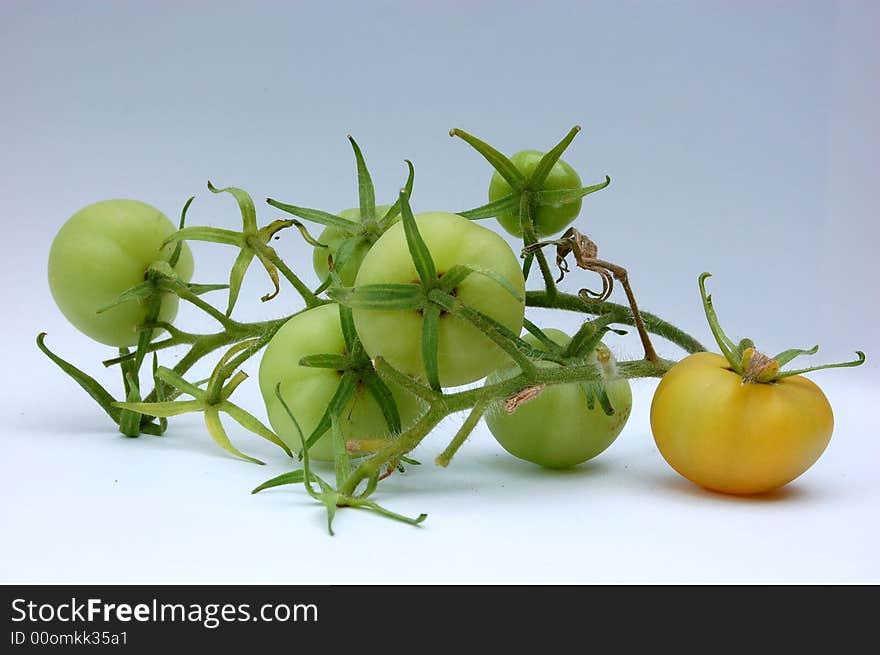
740 136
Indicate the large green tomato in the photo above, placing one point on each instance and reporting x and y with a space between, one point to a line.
103 250
558 429
332 237
308 390
465 354
548 220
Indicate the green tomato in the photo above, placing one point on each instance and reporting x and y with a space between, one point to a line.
465 354
558 429
103 250
332 237
548 220
308 390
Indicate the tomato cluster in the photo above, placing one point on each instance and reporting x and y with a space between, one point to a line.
410 306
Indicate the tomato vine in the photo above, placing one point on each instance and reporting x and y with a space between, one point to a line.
433 295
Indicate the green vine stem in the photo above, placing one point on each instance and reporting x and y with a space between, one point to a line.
618 313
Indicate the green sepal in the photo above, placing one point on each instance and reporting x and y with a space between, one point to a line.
366 192
343 395
129 422
499 162
91 386
200 289
218 434
236 277
334 362
344 251
349 332
529 234
431 345
152 429
394 210
139 292
307 237
229 388
251 423
163 409
787 355
384 398
728 348
593 392
327 496
860 359
548 343
209 234
341 458
175 254
548 161
495 208
293 477
380 296
272 271
159 386
604 400
458 273
245 205
557 197
418 249
317 216
174 379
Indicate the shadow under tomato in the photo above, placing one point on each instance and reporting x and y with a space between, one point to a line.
790 493
507 464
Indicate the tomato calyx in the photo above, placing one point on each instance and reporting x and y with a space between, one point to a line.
364 232
252 241
335 498
211 400
357 371
753 366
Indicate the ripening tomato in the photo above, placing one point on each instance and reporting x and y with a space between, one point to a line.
565 425
332 237
103 250
548 220
308 390
738 437
465 354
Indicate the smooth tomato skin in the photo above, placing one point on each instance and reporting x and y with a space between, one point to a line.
308 390
548 220
103 250
331 237
558 429
738 438
465 353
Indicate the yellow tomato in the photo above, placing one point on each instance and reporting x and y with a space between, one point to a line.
736 437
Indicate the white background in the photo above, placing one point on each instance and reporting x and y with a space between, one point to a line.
740 138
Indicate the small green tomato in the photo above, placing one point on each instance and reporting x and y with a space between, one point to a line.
103 250
559 428
548 220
